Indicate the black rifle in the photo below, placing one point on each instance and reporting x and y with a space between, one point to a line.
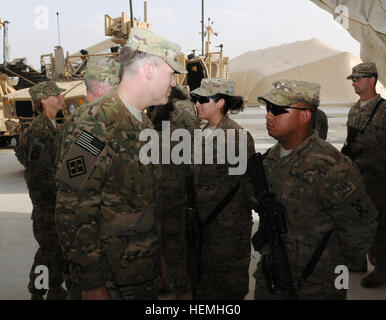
272 226
352 134
193 237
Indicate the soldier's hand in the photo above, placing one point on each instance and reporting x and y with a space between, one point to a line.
97 294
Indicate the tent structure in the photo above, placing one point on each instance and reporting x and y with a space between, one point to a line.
310 60
365 21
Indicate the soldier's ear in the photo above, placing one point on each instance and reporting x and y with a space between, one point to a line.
149 70
220 104
306 116
373 81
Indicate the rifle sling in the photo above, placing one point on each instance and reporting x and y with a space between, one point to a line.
373 114
220 207
310 266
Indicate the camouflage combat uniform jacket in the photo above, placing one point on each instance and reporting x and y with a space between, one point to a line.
226 240
107 199
321 191
182 115
370 156
40 144
68 127
369 147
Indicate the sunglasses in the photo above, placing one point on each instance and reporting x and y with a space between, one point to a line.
276 110
201 99
357 79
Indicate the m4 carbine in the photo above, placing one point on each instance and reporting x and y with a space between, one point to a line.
272 226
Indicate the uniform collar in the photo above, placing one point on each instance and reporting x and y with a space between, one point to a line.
123 110
296 153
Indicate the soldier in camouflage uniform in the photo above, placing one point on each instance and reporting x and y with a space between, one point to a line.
321 190
107 217
39 147
225 249
181 113
102 75
367 120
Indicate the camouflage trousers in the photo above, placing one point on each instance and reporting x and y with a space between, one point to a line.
377 252
49 253
174 249
223 283
147 290
143 291
308 291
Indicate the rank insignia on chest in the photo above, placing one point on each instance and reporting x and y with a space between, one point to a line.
76 167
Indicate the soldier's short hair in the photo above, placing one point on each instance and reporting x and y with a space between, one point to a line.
132 60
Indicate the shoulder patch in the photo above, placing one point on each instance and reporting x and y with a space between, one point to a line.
76 167
37 145
80 160
344 190
359 207
90 143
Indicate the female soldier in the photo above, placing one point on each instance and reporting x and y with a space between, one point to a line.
221 198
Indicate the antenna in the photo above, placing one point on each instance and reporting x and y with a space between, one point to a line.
57 18
131 14
5 41
203 27
145 11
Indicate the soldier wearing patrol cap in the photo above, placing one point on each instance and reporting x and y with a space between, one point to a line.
102 75
106 216
365 145
224 213
327 208
181 113
39 147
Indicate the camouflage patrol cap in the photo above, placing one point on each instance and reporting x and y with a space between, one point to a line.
367 69
43 90
210 87
103 69
289 92
146 41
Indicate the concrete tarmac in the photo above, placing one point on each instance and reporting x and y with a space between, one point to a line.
18 246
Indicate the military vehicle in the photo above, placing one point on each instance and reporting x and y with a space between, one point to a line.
68 71
19 110
6 87
208 65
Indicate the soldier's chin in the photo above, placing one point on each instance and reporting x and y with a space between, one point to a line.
164 101
272 134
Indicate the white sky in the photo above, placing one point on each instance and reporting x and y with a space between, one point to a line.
243 25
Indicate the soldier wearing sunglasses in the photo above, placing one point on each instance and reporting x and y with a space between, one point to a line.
222 199
328 213
365 145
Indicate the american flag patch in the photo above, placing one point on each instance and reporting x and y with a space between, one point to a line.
91 144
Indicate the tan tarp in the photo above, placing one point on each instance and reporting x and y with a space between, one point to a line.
310 60
367 24
73 89
100 47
